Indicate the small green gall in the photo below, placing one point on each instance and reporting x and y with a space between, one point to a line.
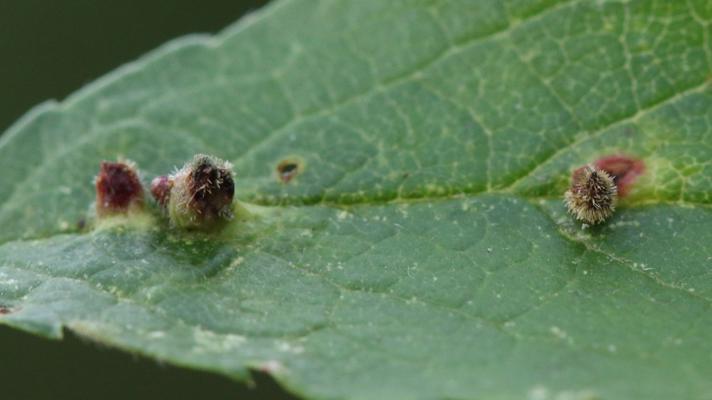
200 194
592 195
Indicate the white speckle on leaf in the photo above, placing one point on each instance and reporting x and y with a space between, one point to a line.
236 262
538 392
289 348
5 281
208 341
432 188
156 334
558 332
272 367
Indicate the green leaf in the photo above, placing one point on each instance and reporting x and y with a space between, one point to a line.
423 251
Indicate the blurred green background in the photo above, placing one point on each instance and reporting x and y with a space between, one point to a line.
50 48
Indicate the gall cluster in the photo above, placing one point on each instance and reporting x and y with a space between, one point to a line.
595 188
197 196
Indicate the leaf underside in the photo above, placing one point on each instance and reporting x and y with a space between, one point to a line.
423 250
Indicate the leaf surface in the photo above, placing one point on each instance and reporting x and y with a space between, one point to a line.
423 250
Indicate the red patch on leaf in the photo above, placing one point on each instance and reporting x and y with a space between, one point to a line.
623 169
117 188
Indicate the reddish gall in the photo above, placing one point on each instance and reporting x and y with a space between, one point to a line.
118 188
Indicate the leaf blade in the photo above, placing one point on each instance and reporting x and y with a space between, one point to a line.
425 228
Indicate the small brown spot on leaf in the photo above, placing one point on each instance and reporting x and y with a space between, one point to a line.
287 170
4 310
623 169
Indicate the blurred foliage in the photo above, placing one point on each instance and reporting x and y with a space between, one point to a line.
51 48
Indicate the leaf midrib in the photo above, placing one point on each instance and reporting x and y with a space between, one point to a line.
495 324
535 202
